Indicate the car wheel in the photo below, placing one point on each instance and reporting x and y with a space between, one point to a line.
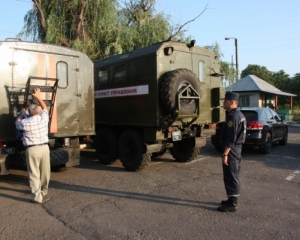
266 149
284 139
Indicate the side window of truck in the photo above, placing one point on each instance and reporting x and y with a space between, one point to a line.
201 71
102 78
62 74
120 74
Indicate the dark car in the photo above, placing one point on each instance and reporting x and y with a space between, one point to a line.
264 128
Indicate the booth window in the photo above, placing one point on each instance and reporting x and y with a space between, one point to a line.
62 74
244 101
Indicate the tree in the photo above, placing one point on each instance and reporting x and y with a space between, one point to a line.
79 24
259 71
141 26
98 27
229 72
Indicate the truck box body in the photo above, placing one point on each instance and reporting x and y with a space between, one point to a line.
73 109
135 100
152 89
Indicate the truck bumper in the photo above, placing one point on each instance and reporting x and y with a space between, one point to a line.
151 148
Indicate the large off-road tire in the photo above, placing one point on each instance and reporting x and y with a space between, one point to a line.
284 139
132 151
266 149
173 84
58 157
184 150
106 144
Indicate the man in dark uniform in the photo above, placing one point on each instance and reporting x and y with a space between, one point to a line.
233 134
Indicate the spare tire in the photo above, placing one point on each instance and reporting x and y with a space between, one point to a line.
173 83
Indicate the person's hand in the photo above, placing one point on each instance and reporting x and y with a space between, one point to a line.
23 111
225 160
36 93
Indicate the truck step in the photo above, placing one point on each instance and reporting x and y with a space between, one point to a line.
42 88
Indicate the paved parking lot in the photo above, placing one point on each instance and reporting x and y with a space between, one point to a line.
167 200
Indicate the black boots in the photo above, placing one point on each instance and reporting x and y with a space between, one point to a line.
230 205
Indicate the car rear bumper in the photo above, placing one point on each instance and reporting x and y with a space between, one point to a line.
255 139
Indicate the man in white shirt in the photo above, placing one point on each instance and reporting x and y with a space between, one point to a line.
35 139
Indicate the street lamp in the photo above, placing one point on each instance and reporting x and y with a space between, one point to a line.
236 56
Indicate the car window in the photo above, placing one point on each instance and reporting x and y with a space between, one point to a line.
275 115
269 114
250 116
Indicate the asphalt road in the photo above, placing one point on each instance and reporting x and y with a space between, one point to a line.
167 200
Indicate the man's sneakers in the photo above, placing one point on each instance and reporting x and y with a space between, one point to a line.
36 201
40 202
229 205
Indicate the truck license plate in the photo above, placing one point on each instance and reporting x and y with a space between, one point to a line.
5 150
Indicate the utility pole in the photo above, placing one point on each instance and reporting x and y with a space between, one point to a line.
236 56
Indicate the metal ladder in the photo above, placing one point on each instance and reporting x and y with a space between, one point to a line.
46 85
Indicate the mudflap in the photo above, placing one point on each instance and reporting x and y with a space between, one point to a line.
74 156
74 153
3 165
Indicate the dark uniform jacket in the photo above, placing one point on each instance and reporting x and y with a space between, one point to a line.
234 129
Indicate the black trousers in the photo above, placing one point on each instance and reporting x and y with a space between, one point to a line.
231 172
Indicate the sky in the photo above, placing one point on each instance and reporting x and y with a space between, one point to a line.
267 31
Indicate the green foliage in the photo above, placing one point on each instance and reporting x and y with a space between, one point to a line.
215 47
97 27
259 71
229 72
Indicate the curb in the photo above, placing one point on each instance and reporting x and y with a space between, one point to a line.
293 125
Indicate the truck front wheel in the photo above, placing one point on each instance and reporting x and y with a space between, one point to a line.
184 150
132 151
107 146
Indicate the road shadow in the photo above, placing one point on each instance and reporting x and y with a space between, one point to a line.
159 199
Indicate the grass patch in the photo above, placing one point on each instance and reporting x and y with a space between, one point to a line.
296 116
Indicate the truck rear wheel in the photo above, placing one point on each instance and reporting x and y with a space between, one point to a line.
58 157
173 84
132 151
184 150
107 146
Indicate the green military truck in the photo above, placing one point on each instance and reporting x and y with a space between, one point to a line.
65 77
153 99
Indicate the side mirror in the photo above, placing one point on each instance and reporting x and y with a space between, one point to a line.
282 118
